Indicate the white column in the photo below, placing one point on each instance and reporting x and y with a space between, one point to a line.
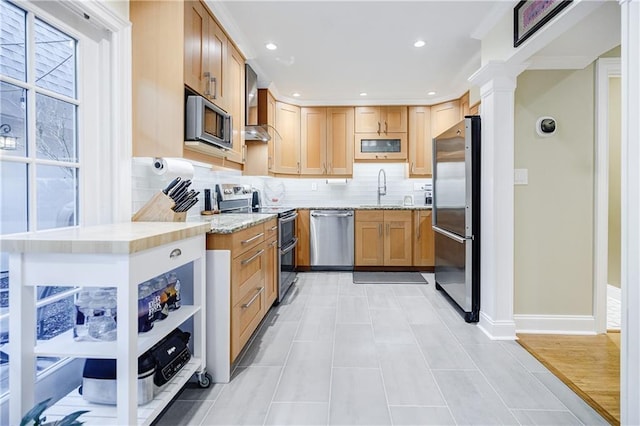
630 191
497 83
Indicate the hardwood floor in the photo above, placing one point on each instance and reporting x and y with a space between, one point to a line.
590 365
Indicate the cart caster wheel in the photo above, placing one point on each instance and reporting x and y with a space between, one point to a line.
204 380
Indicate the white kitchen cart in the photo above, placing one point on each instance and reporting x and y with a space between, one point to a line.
122 256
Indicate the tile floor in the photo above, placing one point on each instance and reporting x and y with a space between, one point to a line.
338 353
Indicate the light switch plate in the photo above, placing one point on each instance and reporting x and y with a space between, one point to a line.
314 186
418 186
521 176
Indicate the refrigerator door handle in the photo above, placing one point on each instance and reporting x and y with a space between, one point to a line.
451 235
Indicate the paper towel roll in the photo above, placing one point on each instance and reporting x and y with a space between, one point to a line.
337 182
169 168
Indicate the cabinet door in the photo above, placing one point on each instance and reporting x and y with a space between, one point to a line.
340 141
464 105
475 109
393 119
287 140
270 121
303 255
217 64
196 47
371 146
397 238
313 141
444 116
245 318
157 76
235 105
420 141
367 120
369 238
271 275
423 243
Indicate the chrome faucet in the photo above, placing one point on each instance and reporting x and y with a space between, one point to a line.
382 189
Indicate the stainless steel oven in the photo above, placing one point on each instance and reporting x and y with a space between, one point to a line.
287 242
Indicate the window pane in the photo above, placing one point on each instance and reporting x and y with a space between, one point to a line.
13 199
12 41
55 129
57 196
13 117
55 60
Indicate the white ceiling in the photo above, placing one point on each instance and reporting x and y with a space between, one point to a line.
331 51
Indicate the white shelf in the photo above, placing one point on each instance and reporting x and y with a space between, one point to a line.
100 414
63 345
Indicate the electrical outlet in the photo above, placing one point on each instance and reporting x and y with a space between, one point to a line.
418 186
521 177
314 186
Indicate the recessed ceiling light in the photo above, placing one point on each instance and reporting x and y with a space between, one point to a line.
296 95
363 94
419 43
271 46
431 93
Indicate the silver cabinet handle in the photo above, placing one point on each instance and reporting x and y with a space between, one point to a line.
386 127
451 235
273 243
207 90
215 87
419 224
413 167
388 226
253 299
378 127
330 168
252 258
175 253
252 238
274 228
298 167
324 169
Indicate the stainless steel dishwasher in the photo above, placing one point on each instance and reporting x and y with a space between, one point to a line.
331 240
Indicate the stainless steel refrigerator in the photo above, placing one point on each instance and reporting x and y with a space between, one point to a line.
456 215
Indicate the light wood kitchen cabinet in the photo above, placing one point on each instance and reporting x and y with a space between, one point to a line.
205 53
381 119
390 146
443 116
157 76
464 105
383 238
475 109
326 141
420 142
287 139
303 255
249 266
423 242
235 84
272 256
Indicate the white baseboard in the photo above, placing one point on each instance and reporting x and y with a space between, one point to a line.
555 324
497 330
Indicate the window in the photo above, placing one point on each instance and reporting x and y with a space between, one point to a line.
39 109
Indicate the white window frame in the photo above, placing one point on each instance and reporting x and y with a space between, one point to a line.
105 178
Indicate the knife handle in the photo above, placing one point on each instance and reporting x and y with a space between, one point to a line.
171 185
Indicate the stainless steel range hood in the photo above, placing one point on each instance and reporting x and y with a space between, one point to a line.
253 131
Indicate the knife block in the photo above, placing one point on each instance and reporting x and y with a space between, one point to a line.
158 209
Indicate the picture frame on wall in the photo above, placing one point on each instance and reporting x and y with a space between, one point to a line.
530 15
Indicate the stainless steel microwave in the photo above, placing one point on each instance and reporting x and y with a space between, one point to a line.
207 123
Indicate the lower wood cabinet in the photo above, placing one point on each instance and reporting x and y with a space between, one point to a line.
303 255
383 238
423 242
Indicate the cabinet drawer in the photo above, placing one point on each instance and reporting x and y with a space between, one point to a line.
153 262
245 317
247 272
370 215
247 239
271 229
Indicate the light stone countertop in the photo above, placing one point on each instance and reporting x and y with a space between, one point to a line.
228 223
369 207
118 238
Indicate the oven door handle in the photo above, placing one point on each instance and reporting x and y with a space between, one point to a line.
349 214
291 247
288 218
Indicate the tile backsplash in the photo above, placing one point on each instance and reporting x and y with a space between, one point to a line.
297 192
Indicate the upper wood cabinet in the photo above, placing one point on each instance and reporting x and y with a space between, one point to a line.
475 109
326 141
287 139
420 141
464 105
260 156
205 53
381 119
235 83
443 116
157 77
